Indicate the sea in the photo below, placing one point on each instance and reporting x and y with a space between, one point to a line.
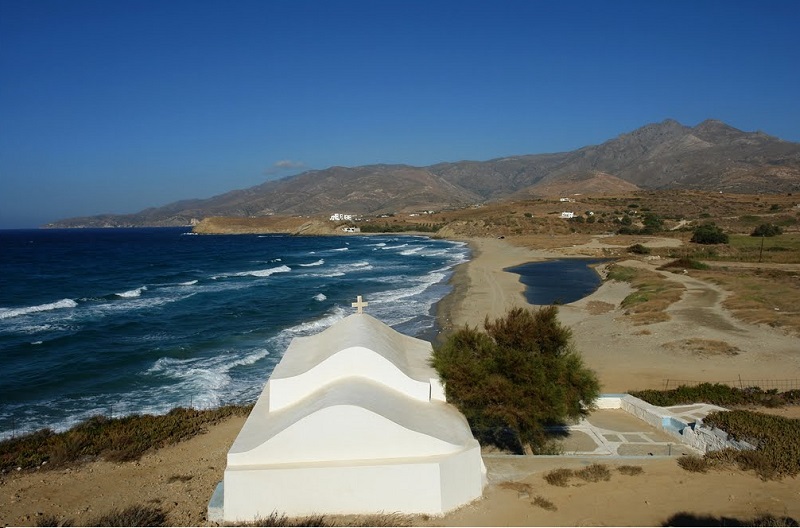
116 322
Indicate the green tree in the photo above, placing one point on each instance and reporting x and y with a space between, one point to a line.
517 377
652 223
709 234
767 230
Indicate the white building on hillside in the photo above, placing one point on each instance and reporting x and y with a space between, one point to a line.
339 217
567 214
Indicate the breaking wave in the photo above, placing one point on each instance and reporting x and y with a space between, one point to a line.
6 313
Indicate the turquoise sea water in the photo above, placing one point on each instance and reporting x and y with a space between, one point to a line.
121 321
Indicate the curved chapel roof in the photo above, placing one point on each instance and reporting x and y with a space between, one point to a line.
359 419
408 354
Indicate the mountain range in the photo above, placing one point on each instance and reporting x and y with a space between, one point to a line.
711 156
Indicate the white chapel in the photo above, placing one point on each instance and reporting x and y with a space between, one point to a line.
352 420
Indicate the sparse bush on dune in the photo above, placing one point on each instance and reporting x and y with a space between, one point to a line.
117 439
559 477
694 463
132 516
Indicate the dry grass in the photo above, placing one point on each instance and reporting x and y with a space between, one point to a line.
594 473
694 463
703 347
137 515
599 307
544 503
760 296
281 519
519 487
630 471
652 296
132 516
115 440
558 477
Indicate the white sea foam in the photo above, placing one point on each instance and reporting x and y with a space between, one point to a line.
343 269
206 379
319 262
320 297
255 273
312 327
132 293
266 272
395 247
6 313
188 283
411 251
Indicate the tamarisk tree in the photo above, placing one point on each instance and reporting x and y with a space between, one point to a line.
518 377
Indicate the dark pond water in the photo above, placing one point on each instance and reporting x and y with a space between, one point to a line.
558 281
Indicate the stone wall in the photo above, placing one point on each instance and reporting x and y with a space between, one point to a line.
693 434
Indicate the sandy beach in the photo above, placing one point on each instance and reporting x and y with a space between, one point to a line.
181 478
626 357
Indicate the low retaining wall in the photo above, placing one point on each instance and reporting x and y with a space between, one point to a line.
693 434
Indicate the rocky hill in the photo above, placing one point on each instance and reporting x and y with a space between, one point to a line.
668 155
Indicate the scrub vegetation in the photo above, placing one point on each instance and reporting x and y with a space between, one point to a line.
518 377
776 439
718 394
112 439
653 294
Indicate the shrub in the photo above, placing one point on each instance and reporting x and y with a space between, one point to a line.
717 394
777 441
639 249
594 473
652 223
544 503
631 471
709 234
516 378
132 516
694 463
558 477
767 230
118 439
685 263
52 520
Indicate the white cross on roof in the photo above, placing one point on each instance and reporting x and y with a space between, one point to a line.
359 304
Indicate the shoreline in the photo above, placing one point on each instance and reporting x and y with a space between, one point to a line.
481 288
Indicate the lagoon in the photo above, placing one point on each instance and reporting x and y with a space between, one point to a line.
558 281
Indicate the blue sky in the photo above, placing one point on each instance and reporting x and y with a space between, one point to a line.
113 106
